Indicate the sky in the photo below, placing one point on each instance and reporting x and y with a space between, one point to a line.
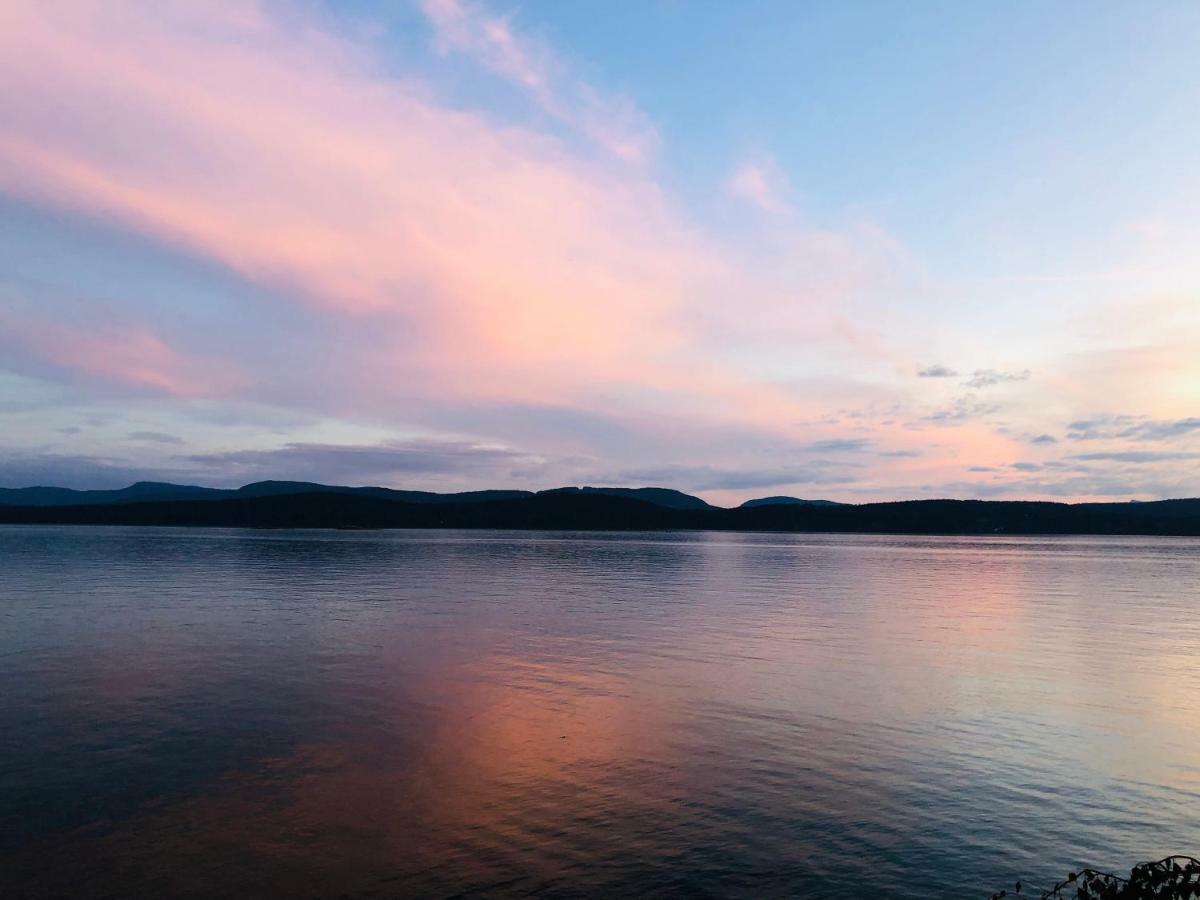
856 251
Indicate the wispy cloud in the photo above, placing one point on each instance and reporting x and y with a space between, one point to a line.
937 371
962 410
155 437
984 378
1136 428
1133 456
1165 430
1099 427
611 120
395 258
761 183
79 471
128 354
707 478
386 461
474 257
839 445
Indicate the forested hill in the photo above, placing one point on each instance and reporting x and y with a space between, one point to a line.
599 511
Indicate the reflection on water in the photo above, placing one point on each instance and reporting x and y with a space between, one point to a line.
282 714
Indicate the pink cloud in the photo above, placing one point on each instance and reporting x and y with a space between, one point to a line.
488 263
760 183
130 355
277 150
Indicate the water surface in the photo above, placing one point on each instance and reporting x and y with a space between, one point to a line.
211 713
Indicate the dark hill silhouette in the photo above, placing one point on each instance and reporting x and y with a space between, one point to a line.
578 510
667 497
283 488
145 491
786 501
340 510
151 491
140 492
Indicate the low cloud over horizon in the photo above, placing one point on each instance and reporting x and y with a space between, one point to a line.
440 245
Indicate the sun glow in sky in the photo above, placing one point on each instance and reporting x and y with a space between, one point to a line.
857 251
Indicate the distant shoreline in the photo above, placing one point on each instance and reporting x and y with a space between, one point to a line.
603 512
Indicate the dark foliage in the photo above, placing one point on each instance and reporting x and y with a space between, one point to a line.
1173 878
603 512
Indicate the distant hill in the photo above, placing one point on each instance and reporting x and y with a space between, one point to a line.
667 497
283 488
152 491
141 492
785 501
598 510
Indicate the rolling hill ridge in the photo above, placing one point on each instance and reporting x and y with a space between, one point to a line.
601 510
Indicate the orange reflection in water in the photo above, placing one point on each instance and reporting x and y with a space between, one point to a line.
466 786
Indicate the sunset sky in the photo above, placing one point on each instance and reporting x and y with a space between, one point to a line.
857 251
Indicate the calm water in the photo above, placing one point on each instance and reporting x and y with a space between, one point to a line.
300 714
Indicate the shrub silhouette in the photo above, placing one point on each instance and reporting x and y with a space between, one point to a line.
1173 878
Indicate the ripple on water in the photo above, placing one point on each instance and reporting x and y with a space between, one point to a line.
210 713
